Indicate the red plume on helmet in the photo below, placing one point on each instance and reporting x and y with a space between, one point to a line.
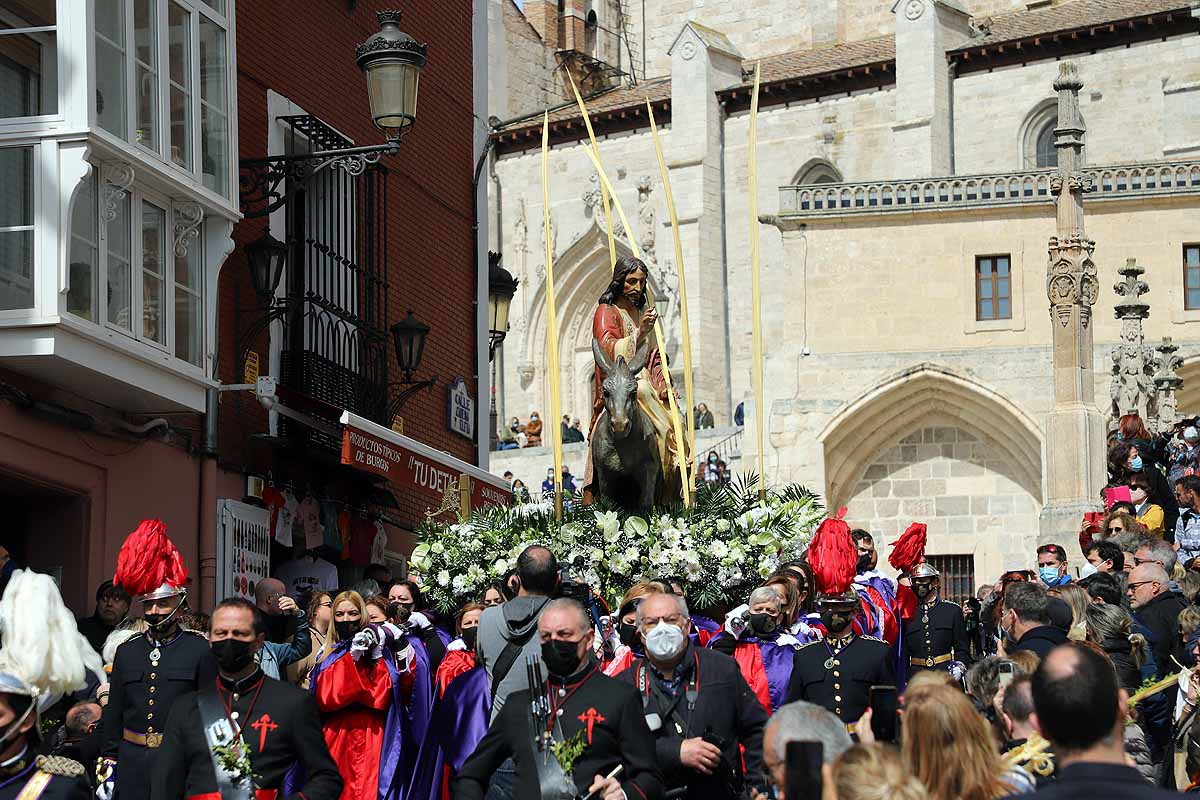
909 549
832 556
148 559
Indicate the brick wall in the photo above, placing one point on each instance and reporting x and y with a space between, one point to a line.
431 249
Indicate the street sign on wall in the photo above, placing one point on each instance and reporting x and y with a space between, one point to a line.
461 411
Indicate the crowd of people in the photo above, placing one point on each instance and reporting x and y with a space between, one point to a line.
517 434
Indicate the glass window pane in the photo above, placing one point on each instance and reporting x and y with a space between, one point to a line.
154 248
16 178
985 310
215 5
985 266
145 41
111 89
1002 266
179 26
1193 298
1002 288
1004 310
28 73
189 309
214 121
16 228
985 289
120 288
81 297
1193 256
1047 154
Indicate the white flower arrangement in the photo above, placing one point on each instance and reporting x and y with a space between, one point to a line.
728 539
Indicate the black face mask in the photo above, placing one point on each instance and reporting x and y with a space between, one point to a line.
346 629
922 590
629 636
763 624
864 563
469 635
400 611
233 655
836 620
561 657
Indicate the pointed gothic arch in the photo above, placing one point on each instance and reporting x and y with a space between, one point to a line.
913 399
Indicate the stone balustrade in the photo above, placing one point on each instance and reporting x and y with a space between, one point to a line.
1122 181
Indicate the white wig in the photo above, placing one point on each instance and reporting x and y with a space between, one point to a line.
115 639
41 644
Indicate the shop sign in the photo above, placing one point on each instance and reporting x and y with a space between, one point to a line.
461 409
409 464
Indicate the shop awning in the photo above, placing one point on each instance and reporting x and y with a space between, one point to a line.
409 464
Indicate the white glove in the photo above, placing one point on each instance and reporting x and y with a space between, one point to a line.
363 643
737 621
419 621
106 777
104 791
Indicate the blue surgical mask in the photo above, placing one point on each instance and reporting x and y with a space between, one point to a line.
1050 576
1136 464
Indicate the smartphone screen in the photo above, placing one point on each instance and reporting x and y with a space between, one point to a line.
803 767
1005 672
885 716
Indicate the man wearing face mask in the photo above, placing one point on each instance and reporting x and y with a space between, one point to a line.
758 639
151 670
600 713
936 636
698 706
277 723
1052 565
838 671
878 591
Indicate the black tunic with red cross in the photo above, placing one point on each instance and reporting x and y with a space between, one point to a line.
605 712
280 727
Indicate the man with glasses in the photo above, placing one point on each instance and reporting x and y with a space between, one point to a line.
1157 607
698 706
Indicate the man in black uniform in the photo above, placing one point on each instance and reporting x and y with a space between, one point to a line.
936 636
278 723
698 706
23 774
150 671
597 716
837 672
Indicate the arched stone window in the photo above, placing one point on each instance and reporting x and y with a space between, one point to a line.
1045 155
816 171
1037 136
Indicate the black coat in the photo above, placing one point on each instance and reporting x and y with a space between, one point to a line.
1120 652
725 706
1161 617
1040 640
1085 781
609 715
280 727
65 779
140 697
944 634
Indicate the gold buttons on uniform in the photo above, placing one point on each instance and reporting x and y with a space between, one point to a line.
153 675
838 698
235 697
151 701
150 716
152 688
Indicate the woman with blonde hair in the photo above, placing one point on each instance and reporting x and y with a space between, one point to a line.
320 618
374 694
875 772
949 748
1078 599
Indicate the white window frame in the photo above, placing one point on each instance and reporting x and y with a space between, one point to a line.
162 154
136 197
33 31
35 149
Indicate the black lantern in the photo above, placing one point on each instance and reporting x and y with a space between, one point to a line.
501 288
661 304
392 61
267 257
408 335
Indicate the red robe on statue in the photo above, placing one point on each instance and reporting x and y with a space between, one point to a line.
609 326
353 698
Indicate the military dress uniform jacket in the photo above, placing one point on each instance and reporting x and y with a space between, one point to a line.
933 644
607 712
141 692
45 778
841 680
280 727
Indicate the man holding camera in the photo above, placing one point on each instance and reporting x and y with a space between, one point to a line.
698 706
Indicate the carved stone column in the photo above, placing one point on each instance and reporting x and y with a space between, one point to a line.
1166 383
1075 455
1132 389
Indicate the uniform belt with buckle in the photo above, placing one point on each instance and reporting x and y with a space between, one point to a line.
930 661
851 728
151 740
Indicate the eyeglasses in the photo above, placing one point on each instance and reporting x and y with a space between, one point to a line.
1140 561
1135 584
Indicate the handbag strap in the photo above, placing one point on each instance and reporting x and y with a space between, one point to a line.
219 732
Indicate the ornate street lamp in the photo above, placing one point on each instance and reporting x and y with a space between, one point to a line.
266 256
392 61
501 288
408 338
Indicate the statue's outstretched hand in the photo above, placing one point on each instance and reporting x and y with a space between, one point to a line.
646 326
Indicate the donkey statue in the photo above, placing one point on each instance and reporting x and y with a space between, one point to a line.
625 461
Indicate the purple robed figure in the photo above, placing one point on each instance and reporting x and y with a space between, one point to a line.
460 720
404 723
766 663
